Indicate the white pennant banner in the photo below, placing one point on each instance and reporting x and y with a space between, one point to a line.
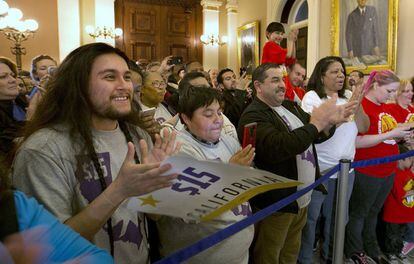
205 189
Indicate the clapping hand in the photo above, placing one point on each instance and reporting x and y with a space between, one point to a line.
358 93
329 114
138 179
163 148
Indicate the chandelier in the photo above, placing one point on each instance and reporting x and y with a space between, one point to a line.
16 29
213 40
104 32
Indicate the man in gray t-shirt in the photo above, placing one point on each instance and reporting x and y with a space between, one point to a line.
78 156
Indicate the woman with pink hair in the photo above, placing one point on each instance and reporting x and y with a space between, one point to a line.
373 183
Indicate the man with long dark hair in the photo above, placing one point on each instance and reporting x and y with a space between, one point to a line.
78 154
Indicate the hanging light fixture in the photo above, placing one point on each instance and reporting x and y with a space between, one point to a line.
213 40
16 29
104 32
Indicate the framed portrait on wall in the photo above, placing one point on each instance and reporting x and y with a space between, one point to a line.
364 33
248 46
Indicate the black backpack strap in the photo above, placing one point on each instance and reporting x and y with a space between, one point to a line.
8 215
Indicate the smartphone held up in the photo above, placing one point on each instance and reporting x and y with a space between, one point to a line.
249 134
175 60
148 112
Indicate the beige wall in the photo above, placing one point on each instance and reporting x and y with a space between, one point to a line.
405 54
256 10
324 29
223 31
45 40
250 11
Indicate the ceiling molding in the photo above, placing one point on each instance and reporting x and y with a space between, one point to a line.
182 3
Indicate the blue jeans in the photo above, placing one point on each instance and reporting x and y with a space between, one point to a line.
326 202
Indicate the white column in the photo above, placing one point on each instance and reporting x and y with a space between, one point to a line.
210 26
274 10
313 34
68 26
232 20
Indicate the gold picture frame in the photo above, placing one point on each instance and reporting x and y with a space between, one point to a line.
377 24
248 45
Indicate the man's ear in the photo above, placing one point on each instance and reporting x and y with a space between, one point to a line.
185 119
257 86
220 86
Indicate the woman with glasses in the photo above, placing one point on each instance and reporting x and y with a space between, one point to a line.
152 96
145 120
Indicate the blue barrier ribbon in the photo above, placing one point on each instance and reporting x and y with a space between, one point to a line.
211 240
219 236
372 162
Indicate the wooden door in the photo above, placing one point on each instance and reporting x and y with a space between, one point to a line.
158 28
302 46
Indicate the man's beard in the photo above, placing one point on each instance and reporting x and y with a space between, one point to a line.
112 113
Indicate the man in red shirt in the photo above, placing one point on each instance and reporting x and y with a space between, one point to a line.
293 81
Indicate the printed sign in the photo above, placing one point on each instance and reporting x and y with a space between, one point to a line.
205 189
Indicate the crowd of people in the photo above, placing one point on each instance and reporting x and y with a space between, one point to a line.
80 137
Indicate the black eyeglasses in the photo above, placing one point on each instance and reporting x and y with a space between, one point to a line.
158 84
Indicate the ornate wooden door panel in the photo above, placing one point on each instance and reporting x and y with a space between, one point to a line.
158 28
302 46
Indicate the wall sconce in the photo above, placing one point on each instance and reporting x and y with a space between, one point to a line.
16 30
213 40
105 32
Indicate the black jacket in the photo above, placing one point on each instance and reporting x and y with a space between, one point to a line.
9 127
277 147
235 101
